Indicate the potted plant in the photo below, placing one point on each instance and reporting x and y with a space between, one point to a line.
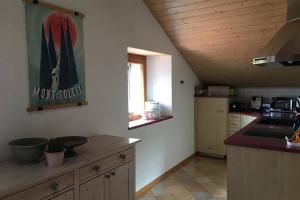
55 152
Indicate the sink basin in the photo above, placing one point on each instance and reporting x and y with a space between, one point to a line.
270 132
276 122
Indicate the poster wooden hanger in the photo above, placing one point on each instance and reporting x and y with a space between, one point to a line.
68 11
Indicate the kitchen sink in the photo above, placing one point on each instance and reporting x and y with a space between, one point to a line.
276 122
270 132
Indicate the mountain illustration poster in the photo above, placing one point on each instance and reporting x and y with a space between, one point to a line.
55 57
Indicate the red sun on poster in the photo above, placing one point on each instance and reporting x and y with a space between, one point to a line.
56 20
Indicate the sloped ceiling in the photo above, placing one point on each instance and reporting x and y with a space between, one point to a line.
219 38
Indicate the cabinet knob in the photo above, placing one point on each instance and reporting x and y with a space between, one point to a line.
97 168
107 176
55 187
113 173
123 156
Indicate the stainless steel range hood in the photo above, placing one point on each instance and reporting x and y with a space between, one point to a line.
284 48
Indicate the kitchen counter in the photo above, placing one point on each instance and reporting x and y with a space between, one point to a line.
250 113
239 139
262 167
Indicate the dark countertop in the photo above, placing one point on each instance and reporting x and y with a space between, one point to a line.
239 139
250 113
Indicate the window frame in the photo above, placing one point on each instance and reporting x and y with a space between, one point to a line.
140 59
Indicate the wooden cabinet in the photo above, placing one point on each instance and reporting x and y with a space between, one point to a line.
44 189
101 166
65 196
234 123
104 170
237 121
121 178
93 189
114 185
211 124
246 119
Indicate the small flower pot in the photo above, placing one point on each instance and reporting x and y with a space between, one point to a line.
55 159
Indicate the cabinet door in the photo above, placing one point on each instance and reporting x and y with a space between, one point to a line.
221 124
121 183
93 189
206 120
65 196
212 119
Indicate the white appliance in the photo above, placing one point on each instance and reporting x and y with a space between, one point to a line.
152 110
256 103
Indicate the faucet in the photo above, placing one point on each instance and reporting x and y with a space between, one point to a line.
296 124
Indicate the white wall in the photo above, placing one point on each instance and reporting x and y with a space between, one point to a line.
159 82
244 94
110 26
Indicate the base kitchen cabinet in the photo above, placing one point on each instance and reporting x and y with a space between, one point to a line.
211 125
237 121
103 170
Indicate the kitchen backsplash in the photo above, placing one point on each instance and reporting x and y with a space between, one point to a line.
244 94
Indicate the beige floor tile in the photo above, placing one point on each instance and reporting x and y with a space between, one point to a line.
167 197
148 194
214 190
200 179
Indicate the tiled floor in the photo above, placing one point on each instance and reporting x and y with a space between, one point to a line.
201 179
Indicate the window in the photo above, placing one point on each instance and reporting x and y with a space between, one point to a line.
149 79
136 85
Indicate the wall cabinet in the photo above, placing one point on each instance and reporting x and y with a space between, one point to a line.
104 170
211 124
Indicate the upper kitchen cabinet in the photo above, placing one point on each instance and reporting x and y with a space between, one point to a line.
211 125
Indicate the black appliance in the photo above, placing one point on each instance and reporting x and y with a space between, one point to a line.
283 107
237 107
284 104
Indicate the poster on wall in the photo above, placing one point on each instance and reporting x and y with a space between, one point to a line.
55 56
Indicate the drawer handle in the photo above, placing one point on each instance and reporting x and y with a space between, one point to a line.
113 173
123 156
55 187
97 168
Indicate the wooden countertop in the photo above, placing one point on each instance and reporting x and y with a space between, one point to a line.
15 177
239 139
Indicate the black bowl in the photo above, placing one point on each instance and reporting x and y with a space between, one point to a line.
28 150
70 142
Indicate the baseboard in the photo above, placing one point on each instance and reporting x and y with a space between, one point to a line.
143 190
210 155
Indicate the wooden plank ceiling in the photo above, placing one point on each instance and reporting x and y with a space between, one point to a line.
219 38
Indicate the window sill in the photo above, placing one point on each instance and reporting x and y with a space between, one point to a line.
145 122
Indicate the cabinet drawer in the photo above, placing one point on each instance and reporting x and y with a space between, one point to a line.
212 149
207 148
65 196
234 126
44 189
234 120
231 132
99 167
234 116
